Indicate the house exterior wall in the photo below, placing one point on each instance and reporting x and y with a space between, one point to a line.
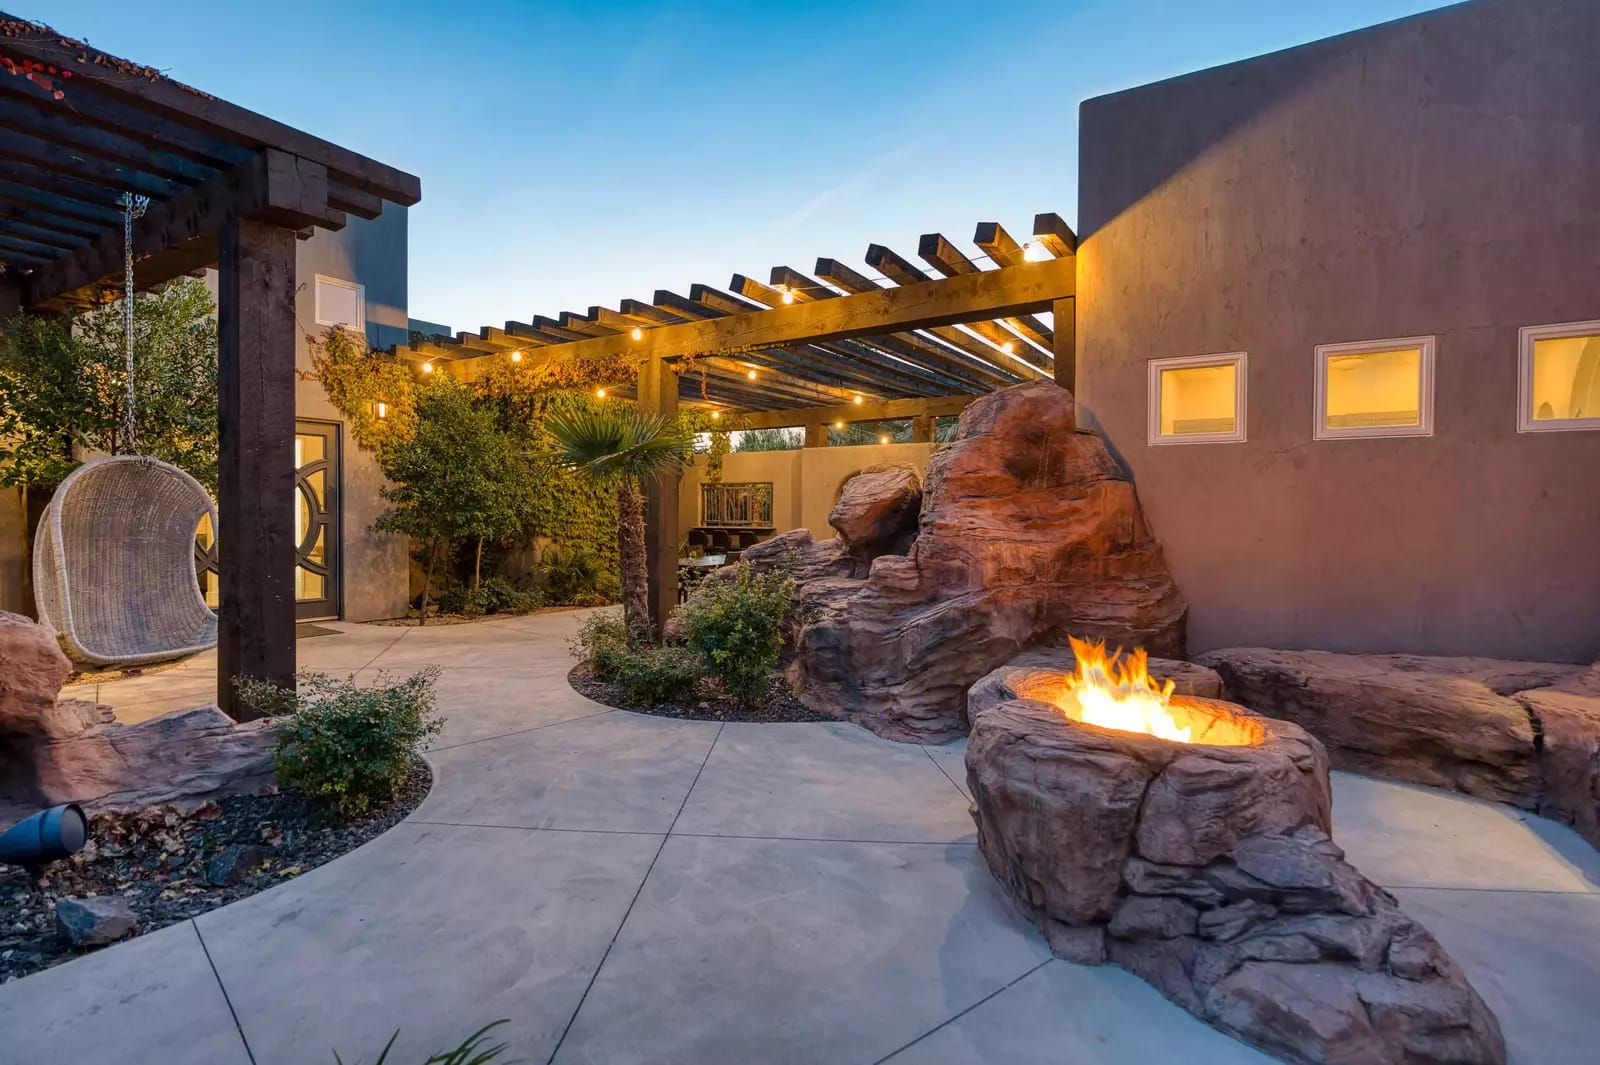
805 481
1433 176
372 253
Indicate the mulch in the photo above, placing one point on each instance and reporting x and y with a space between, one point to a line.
157 859
707 704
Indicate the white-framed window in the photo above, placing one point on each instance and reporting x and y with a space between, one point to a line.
341 303
1375 388
1558 372
1198 399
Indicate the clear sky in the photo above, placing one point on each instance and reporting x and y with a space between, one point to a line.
578 153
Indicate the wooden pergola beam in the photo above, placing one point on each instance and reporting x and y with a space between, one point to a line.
868 411
1050 230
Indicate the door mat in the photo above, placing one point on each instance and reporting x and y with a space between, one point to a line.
305 629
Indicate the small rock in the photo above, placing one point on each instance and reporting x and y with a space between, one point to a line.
95 921
234 862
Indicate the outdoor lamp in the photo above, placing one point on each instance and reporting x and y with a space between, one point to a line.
46 836
383 409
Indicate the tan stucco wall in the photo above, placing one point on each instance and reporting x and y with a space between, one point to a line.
805 482
12 552
1431 177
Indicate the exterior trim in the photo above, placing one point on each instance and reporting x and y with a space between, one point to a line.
361 300
1320 430
1525 338
1238 359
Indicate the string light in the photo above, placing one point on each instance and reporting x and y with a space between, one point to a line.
427 367
1008 347
516 356
599 393
1035 252
751 374
716 415
788 296
838 424
883 439
860 399
637 334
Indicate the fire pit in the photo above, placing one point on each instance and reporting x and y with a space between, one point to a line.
1187 840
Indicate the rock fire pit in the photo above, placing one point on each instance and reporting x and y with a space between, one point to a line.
1187 840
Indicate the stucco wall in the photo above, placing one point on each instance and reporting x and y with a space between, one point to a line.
1432 176
13 553
805 481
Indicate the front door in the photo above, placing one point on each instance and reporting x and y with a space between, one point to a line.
316 520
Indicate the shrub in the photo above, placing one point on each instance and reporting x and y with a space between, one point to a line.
348 747
735 628
572 578
501 595
650 676
602 643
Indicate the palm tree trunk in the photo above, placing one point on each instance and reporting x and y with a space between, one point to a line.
633 570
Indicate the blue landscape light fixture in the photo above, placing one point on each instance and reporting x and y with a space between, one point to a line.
48 835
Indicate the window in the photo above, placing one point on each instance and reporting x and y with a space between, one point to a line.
1559 370
735 505
1199 399
1375 388
341 303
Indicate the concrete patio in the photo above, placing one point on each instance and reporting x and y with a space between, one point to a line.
634 889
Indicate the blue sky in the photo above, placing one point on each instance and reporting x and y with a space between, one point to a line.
579 153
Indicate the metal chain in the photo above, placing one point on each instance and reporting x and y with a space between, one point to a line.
132 207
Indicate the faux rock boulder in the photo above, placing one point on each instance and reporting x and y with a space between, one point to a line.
877 512
1029 532
55 750
1206 869
1524 733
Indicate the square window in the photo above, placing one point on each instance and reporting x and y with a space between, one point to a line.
1375 388
1198 399
1559 377
342 303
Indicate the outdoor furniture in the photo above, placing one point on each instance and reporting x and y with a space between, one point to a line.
691 571
114 565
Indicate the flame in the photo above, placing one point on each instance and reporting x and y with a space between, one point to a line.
1116 691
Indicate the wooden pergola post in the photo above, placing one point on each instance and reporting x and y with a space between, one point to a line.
1065 344
658 394
256 472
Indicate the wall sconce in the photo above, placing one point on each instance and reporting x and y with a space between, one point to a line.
383 409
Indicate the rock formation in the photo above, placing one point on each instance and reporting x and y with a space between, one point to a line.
877 513
1524 733
1207 871
1029 532
55 750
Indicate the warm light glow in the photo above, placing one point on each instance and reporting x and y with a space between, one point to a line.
599 393
788 297
716 415
1008 347
637 334
516 356
383 409
859 400
883 439
1035 252
838 425
751 374
1116 691
427 367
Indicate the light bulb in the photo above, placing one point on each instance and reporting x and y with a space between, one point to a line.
599 393
516 356
716 415
883 439
637 334
427 367
859 400
838 425
1035 252
1008 347
383 409
788 297
751 375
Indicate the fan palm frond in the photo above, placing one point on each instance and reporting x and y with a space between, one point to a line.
617 440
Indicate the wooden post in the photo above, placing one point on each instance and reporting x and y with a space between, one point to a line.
658 394
817 434
255 481
922 428
1064 311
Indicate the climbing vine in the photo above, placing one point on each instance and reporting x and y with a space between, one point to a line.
357 380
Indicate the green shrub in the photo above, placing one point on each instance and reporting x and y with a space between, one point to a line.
456 598
474 1050
735 628
348 747
650 676
602 643
501 595
573 578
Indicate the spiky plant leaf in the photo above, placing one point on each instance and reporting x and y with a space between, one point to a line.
618 441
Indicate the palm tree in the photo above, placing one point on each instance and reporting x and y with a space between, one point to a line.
617 444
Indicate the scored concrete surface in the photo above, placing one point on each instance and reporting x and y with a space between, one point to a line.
625 888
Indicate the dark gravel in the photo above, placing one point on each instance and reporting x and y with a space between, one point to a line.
708 703
157 859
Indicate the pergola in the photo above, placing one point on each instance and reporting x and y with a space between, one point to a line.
809 350
227 187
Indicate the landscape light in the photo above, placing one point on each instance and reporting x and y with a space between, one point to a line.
46 836
637 334
516 356
427 367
